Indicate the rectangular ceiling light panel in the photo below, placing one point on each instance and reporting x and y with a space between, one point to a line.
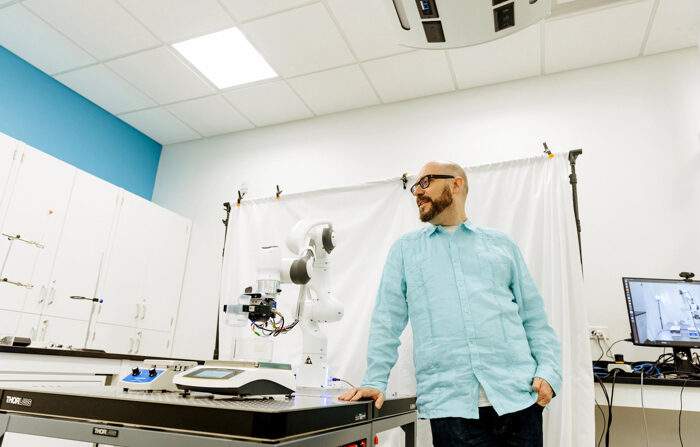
226 58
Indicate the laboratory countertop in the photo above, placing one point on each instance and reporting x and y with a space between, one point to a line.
96 354
650 380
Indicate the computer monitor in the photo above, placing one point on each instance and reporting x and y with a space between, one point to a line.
665 313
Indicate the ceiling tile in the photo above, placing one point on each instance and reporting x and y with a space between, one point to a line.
596 37
101 27
269 103
512 57
675 26
36 42
101 86
300 41
160 125
210 116
244 10
160 74
368 26
335 90
178 20
410 75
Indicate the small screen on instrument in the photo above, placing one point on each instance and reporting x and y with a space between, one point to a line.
213 373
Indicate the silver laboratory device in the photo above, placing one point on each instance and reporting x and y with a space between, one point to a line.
158 376
238 378
440 24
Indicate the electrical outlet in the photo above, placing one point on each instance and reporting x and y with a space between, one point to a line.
598 332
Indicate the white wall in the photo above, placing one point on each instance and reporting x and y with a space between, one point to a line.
637 122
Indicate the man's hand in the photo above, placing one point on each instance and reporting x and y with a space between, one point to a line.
544 391
356 394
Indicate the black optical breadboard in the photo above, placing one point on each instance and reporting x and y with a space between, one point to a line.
266 420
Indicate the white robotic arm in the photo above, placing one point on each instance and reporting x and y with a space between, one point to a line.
313 240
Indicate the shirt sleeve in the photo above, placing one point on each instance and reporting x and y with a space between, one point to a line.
389 319
543 341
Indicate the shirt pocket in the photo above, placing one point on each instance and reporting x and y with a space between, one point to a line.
496 268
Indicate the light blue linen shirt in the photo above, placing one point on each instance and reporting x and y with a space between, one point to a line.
477 318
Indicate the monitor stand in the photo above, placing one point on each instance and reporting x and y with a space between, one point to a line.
682 361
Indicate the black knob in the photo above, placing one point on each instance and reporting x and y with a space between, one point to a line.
136 372
152 372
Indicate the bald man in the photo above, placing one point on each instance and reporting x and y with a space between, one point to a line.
487 362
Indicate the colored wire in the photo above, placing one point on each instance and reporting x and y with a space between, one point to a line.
610 405
602 352
607 351
680 413
607 399
603 426
644 414
335 379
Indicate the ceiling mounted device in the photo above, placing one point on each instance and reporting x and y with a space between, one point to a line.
439 24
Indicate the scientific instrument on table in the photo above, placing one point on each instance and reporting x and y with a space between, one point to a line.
238 378
439 24
157 376
313 240
665 313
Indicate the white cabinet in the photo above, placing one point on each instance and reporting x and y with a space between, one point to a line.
9 321
63 331
165 269
125 274
127 340
83 247
146 265
35 212
114 339
84 237
10 150
155 343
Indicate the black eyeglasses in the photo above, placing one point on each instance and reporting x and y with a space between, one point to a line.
424 181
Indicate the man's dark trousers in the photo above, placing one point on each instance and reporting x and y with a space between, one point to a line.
520 429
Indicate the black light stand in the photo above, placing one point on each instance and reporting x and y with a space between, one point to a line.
227 208
574 181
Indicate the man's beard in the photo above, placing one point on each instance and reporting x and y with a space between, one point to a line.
437 206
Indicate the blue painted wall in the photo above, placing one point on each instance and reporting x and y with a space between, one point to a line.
45 114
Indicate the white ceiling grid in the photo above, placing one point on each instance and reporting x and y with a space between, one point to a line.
331 55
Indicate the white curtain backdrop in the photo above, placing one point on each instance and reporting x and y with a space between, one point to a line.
528 199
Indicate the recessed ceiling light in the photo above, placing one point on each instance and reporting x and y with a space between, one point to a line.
226 57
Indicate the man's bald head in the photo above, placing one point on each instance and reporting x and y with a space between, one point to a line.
448 168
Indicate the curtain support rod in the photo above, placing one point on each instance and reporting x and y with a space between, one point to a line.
573 180
227 208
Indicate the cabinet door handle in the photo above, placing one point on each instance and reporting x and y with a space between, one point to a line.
143 315
131 345
42 294
138 311
44 329
52 295
138 344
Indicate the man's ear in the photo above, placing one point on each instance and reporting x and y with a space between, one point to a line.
458 184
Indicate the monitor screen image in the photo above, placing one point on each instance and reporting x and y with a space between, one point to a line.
663 312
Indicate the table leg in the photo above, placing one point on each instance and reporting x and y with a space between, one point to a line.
410 432
4 421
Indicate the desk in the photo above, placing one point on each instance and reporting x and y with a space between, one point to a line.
111 416
659 394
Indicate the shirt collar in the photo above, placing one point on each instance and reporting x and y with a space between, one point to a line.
468 224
